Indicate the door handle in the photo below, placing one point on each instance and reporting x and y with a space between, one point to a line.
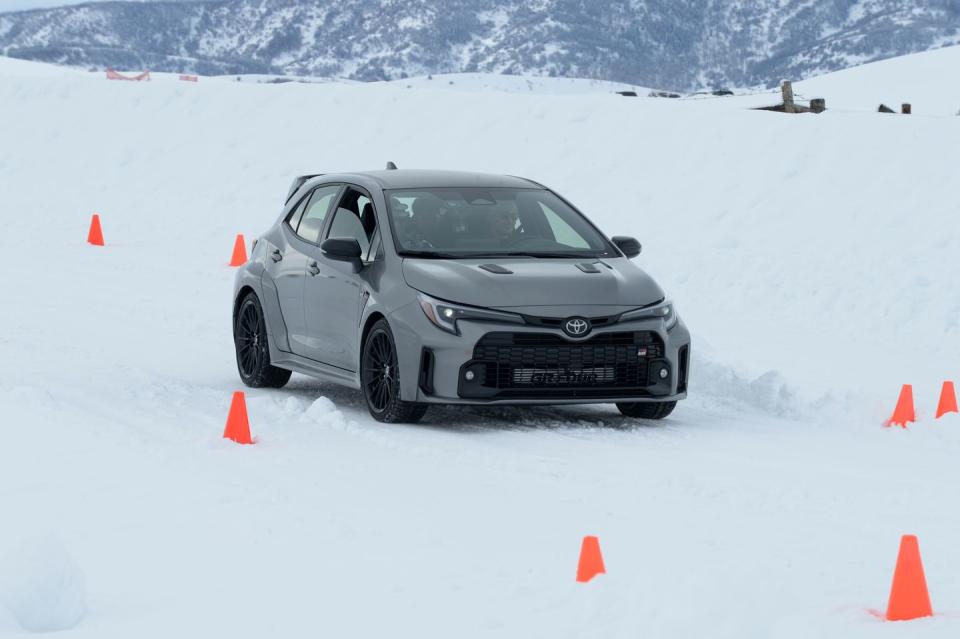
276 255
313 268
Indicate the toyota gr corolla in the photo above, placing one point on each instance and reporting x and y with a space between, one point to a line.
438 287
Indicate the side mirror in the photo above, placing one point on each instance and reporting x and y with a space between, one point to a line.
343 249
628 246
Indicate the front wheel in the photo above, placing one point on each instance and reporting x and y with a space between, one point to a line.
647 410
253 351
380 376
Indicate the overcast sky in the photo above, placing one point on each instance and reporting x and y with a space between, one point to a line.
16 5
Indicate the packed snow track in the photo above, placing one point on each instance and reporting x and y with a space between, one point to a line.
813 257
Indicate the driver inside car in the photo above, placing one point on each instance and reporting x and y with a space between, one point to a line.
503 225
425 230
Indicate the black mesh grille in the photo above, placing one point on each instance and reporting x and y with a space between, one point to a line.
540 364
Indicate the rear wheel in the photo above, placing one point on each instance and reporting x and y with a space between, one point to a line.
253 351
380 376
647 410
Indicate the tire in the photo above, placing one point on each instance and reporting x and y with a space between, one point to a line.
379 376
253 349
647 410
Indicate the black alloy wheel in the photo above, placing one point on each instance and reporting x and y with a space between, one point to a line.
253 350
380 377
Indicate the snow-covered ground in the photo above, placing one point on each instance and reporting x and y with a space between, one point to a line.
815 259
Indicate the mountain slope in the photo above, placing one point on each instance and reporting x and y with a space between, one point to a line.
669 43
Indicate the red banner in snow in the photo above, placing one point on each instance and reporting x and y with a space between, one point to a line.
189 78
113 75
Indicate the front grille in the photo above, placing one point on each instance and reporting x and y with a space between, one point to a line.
533 365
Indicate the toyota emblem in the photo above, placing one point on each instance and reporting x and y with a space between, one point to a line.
576 327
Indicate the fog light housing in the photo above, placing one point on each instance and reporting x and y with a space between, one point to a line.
664 373
469 376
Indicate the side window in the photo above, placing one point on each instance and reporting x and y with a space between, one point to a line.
293 219
355 217
315 212
562 231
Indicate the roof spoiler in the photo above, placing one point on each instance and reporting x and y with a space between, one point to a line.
297 183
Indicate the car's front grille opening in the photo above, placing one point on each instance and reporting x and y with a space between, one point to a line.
533 365
683 373
426 371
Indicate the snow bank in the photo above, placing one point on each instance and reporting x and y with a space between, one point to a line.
720 385
892 82
42 586
323 411
14 68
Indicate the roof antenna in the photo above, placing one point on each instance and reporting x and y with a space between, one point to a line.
391 166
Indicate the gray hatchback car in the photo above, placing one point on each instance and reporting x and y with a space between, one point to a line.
440 287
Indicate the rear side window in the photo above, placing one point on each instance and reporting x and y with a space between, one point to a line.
293 220
315 212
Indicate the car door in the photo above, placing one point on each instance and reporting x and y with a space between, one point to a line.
287 257
334 294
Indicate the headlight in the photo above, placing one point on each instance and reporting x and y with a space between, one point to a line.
445 315
664 310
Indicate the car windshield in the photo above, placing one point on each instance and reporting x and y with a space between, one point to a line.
490 222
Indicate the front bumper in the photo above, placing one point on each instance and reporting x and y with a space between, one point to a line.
492 363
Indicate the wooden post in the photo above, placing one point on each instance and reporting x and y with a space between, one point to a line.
906 109
787 90
818 105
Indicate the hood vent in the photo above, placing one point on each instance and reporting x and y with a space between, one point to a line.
496 268
587 267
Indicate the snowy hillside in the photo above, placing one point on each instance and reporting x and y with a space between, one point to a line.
673 44
814 257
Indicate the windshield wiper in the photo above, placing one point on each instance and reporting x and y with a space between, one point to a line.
548 254
432 255
479 255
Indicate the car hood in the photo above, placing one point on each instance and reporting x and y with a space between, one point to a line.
550 287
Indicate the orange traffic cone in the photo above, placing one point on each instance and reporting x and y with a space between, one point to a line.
903 413
95 236
948 400
909 598
591 561
239 252
238 427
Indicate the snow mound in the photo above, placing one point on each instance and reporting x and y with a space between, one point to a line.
42 586
324 412
768 392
